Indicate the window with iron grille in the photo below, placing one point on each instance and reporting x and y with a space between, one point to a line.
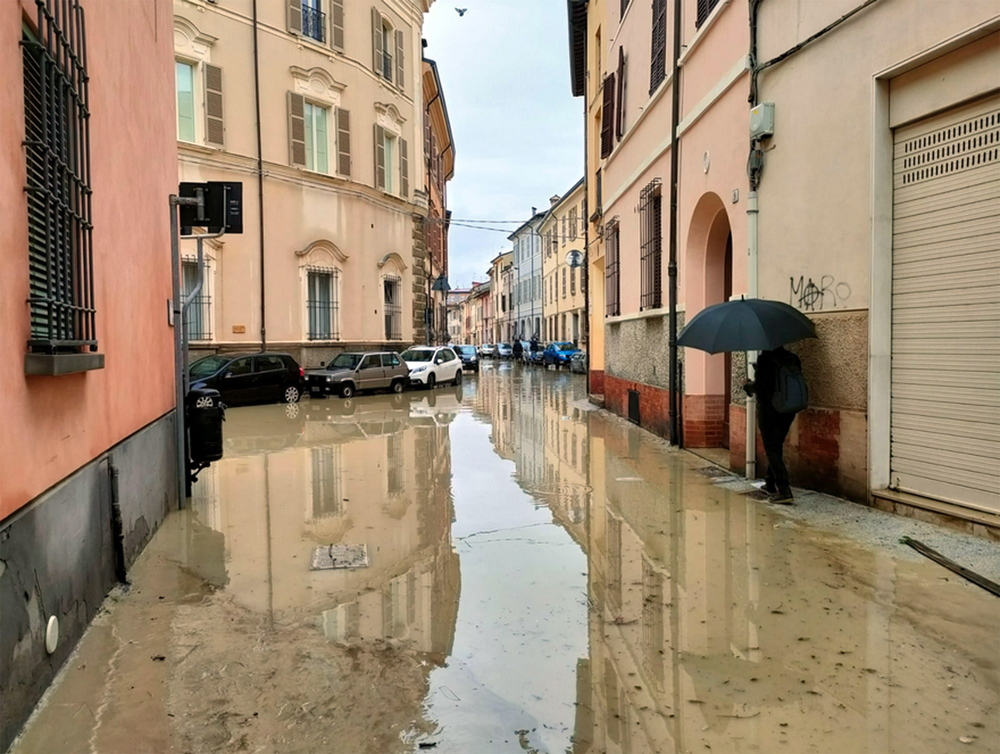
650 246
393 302
327 491
658 46
313 20
705 8
564 282
323 303
612 281
57 150
197 315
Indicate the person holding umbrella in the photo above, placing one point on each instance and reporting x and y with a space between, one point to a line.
779 386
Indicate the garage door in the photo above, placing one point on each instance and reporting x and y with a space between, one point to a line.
946 307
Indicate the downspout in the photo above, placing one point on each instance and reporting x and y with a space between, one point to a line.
585 277
260 177
753 173
676 436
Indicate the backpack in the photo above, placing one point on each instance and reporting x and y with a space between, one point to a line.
791 394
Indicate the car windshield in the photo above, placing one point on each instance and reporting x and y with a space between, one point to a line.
346 361
504 345
467 350
563 346
418 354
208 366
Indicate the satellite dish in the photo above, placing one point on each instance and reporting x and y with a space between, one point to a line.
574 258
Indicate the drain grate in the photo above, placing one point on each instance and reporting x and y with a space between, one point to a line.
327 557
713 472
757 495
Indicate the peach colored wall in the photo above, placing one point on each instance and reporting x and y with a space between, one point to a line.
54 425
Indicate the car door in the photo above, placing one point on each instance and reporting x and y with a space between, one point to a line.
271 373
239 383
370 376
450 365
391 368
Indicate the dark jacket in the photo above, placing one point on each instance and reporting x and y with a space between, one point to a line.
766 375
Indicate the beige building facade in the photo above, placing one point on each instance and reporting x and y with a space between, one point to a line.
501 274
318 109
563 298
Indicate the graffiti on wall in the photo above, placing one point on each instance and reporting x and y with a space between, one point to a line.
811 296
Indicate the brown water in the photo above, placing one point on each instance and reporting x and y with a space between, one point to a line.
542 578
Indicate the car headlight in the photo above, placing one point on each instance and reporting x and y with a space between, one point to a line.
418 370
329 379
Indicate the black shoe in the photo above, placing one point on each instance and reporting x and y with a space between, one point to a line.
769 487
781 497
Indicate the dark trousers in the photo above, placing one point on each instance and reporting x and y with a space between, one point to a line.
773 431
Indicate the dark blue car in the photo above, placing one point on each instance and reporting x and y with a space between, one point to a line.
559 353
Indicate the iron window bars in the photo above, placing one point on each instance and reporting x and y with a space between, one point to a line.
197 319
612 269
322 303
59 195
313 22
651 247
393 291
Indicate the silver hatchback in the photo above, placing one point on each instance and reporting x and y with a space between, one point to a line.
351 373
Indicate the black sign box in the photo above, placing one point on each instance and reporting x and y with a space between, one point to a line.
223 207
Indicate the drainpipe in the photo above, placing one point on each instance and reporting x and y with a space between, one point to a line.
751 404
260 176
676 436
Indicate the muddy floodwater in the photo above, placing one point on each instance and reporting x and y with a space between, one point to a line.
541 577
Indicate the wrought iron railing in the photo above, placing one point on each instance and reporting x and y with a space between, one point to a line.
393 308
651 246
322 306
57 150
612 281
197 318
313 23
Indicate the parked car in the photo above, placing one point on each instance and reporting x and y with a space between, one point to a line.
487 350
468 356
430 365
352 373
578 362
536 357
504 351
249 377
559 354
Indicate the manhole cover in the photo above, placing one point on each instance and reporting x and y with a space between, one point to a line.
327 557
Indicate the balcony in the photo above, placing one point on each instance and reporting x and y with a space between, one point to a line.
313 23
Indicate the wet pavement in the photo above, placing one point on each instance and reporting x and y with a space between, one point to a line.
543 577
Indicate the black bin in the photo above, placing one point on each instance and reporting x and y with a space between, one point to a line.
205 416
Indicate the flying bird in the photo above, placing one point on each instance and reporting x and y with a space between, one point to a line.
461 11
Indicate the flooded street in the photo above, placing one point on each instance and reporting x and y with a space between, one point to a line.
542 577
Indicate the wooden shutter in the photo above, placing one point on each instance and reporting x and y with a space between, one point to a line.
295 16
404 170
620 98
608 116
379 157
400 40
658 46
296 129
337 24
214 126
377 51
343 141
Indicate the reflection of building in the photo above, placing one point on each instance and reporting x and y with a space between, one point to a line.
373 470
566 456
562 285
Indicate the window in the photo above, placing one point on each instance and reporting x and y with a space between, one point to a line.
185 101
241 367
573 229
612 282
624 7
57 152
197 320
393 303
322 304
608 115
306 17
620 96
572 281
650 246
658 46
564 282
387 49
392 163
313 20
705 8
327 491
317 138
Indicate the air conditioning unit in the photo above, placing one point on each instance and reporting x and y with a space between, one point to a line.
762 120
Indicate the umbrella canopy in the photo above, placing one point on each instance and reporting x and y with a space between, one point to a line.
752 324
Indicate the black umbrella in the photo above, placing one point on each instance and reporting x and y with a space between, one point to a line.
752 324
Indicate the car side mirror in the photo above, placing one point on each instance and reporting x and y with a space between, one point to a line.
322 364
227 375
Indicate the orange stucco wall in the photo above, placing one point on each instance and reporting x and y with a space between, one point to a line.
51 426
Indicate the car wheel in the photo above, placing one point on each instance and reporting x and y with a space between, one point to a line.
204 402
431 380
397 386
292 394
458 377
346 390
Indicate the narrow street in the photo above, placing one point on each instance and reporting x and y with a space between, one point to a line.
542 577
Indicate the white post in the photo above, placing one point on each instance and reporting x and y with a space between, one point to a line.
751 404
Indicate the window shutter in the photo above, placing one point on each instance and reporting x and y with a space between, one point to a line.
295 16
337 24
658 46
214 127
620 104
379 157
608 115
296 129
377 51
404 170
343 142
400 39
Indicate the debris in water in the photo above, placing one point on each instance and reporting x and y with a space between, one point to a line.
327 557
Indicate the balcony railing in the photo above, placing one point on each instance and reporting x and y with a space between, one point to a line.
313 23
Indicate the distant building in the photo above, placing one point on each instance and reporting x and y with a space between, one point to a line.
562 285
528 277
500 279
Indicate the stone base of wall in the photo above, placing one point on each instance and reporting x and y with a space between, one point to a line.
597 382
654 403
826 451
59 556
704 419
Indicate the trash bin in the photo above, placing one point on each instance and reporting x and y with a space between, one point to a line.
205 416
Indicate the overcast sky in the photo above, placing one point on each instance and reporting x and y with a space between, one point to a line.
504 67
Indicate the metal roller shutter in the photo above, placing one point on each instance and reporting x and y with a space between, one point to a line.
946 307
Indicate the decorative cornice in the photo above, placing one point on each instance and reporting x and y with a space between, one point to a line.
316 73
192 32
322 244
389 110
392 256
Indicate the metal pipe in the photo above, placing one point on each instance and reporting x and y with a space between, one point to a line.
260 179
676 437
751 404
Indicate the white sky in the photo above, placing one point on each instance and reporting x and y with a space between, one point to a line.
504 68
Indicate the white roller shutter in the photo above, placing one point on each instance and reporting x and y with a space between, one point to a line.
946 307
